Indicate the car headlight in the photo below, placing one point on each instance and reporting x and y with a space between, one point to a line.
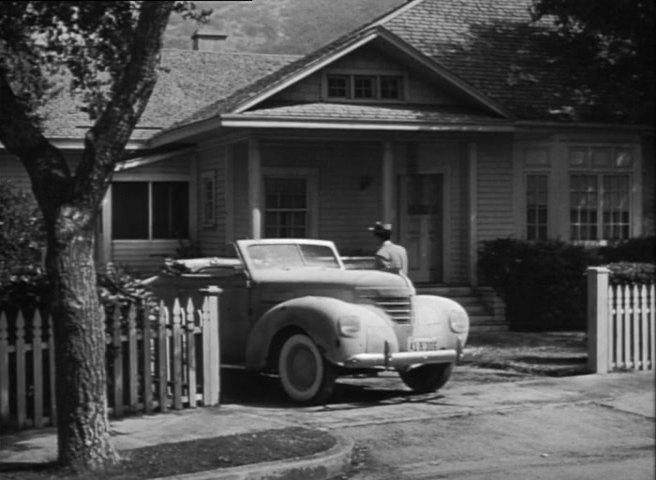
349 325
458 321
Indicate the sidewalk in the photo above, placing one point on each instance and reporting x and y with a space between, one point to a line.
629 392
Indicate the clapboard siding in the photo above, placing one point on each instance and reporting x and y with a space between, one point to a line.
348 205
145 257
240 189
495 191
211 237
459 246
12 169
345 208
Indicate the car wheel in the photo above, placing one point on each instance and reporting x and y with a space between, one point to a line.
304 374
427 378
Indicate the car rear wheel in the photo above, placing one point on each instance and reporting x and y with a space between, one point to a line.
427 378
304 374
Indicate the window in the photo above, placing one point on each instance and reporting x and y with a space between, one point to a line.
391 87
364 87
286 210
536 207
208 198
150 210
338 86
599 207
600 195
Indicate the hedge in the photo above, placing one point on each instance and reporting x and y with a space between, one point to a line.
543 283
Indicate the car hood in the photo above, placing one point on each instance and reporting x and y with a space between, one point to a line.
331 282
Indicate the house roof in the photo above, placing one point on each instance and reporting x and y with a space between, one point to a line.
488 49
493 46
188 81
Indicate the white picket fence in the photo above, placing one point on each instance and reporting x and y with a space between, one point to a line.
171 362
621 324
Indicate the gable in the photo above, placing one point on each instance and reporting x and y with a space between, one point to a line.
373 60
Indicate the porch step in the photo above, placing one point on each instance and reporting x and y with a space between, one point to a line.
480 316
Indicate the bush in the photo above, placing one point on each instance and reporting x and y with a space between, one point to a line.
21 234
635 250
543 283
631 273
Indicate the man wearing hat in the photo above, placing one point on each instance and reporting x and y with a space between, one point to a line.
390 256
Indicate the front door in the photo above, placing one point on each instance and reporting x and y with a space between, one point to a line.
422 225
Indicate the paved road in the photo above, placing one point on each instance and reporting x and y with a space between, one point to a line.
584 427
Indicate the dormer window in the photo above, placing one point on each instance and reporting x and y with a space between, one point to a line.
364 87
338 86
391 87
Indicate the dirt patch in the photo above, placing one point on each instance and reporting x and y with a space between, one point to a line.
546 354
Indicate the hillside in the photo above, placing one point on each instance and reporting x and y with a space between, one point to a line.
280 26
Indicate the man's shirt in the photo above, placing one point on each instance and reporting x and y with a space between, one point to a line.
392 258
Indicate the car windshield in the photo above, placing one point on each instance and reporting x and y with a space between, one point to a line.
292 255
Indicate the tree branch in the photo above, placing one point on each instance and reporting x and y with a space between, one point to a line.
106 140
44 163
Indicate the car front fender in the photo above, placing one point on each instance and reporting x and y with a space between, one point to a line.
440 318
318 317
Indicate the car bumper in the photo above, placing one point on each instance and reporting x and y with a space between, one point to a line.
400 359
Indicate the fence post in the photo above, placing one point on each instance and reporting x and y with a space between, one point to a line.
211 346
598 319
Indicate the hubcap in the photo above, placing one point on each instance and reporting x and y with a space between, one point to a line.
302 367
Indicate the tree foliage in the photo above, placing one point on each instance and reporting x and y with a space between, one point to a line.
609 51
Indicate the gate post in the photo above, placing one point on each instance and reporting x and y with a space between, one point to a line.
211 346
598 319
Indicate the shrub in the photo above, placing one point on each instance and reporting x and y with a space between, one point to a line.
631 273
542 283
21 234
635 250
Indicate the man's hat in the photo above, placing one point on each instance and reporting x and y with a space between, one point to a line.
381 227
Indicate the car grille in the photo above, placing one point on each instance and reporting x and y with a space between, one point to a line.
398 308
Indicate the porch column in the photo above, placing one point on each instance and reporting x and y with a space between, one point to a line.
472 159
104 240
254 182
388 184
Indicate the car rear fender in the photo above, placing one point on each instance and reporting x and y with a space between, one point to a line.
317 317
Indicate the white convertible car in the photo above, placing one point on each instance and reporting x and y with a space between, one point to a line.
289 306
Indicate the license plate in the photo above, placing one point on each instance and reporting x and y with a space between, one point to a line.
422 344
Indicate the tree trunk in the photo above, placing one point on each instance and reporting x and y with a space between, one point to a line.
83 430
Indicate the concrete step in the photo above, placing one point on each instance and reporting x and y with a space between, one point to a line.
481 318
